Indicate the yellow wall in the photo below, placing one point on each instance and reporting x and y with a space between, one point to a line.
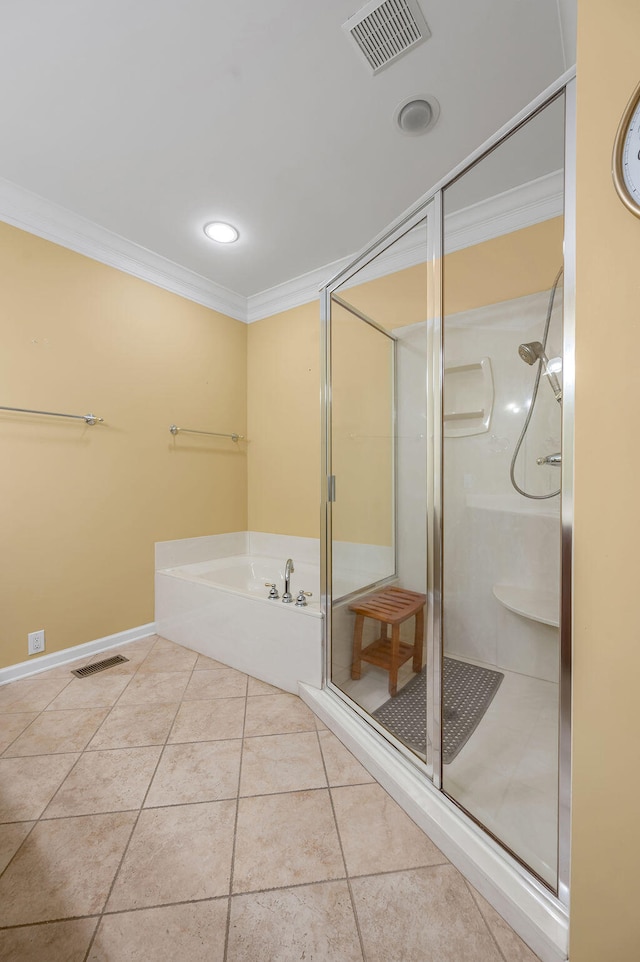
512 265
395 300
605 922
283 377
283 370
80 506
362 431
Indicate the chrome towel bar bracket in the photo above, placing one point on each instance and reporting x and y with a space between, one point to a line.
174 429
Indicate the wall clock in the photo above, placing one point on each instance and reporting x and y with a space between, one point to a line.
626 156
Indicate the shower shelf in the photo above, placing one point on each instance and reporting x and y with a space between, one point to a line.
532 603
468 398
463 415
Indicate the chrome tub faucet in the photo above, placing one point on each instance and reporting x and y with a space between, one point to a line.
287 597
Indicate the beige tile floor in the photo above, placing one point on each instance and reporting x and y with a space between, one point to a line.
175 809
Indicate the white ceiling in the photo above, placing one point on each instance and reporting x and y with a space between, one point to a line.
152 117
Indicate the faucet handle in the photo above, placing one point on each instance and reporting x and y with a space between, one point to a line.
554 459
301 600
273 594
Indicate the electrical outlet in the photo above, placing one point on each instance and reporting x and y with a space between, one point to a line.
36 642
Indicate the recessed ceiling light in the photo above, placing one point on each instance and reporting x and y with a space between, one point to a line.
220 232
416 115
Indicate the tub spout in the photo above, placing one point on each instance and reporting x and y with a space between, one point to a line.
287 597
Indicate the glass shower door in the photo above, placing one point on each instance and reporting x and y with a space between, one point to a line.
501 498
377 440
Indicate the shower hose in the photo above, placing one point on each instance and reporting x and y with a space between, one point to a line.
525 494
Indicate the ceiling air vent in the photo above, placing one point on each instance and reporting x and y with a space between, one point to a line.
384 31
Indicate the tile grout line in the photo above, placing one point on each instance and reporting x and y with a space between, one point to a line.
150 808
43 922
349 876
97 915
36 821
108 707
187 741
38 713
149 674
481 913
137 819
100 915
28 725
344 860
235 830
68 751
40 817
217 898
80 752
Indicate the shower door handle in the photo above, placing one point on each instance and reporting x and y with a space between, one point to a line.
331 487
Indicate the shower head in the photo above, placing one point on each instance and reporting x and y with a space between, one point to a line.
531 352
534 351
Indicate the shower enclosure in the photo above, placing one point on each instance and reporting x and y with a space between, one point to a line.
447 462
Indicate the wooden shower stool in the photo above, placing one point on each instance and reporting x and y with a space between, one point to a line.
391 606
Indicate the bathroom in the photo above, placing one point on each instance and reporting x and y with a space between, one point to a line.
73 343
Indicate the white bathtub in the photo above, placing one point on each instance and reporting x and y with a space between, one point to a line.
247 574
221 609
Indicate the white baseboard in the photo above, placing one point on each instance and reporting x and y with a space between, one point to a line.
538 918
56 658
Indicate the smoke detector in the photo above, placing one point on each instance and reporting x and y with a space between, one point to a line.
382 32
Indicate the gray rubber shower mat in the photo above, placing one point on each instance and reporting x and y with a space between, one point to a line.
468 692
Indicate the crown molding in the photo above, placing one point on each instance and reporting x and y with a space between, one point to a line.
299 290
503 213
514 209
511 210
30 212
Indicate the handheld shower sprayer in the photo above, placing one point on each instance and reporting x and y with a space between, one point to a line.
530 353
534 351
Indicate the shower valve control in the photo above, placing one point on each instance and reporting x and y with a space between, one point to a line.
555 459
301 600
273 593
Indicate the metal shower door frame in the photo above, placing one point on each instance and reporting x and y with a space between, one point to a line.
565 86
402 226
430 207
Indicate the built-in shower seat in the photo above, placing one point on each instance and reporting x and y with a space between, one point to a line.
391 607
